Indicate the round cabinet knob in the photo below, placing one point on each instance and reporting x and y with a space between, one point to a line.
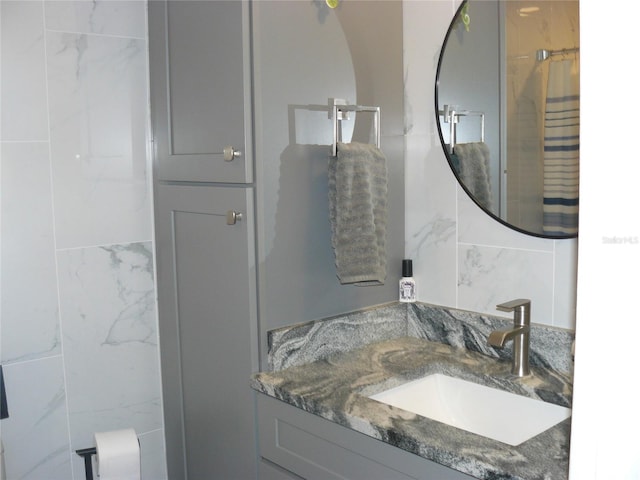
229 153
233 217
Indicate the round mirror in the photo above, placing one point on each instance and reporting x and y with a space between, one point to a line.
507 101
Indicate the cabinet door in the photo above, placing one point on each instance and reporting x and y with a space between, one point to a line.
271 471
317 449
208 330
200 90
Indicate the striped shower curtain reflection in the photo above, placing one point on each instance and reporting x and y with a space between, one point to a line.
562 148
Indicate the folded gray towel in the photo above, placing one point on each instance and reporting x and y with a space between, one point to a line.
358 213
473 161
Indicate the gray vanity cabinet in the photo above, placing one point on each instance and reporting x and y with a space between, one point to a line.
200 87
208 329
201 90
310 447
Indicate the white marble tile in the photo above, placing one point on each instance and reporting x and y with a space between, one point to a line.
98 112
430 232
565 283
477 227
23 86
425 26
30 324
489 276
106 17
35 436
431 225
110 340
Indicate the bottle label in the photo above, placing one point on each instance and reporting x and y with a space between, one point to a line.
407 290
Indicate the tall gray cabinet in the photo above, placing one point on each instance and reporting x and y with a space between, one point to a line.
201 117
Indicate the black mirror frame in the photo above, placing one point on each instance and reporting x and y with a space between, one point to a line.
452 26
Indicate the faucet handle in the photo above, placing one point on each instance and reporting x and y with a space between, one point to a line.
521 308
513 304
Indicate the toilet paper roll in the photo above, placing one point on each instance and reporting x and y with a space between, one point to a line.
118 455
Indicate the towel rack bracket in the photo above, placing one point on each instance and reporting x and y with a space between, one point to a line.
339 110
451 115
334 108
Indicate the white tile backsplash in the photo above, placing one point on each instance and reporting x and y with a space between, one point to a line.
491 275
431 230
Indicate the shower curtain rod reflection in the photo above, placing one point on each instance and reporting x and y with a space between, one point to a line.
543 54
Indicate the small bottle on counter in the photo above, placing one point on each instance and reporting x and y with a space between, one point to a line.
407 283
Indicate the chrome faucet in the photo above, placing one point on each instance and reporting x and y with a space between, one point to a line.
521 309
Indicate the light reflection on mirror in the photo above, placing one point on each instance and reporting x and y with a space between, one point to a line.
507 97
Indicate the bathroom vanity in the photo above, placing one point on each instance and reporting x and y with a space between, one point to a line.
316 419
315 448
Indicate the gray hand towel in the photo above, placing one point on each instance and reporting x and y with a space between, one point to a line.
358 213
474 170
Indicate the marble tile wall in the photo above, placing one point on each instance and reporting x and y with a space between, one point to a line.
462 257
78 331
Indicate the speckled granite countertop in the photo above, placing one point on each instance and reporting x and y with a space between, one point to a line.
336 388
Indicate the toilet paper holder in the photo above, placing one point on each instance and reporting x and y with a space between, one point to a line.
87 455
118 443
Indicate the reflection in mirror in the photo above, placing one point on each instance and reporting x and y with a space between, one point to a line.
507 100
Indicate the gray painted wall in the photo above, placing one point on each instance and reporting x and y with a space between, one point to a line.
304 54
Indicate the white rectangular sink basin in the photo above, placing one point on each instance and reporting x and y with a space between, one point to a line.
486 411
